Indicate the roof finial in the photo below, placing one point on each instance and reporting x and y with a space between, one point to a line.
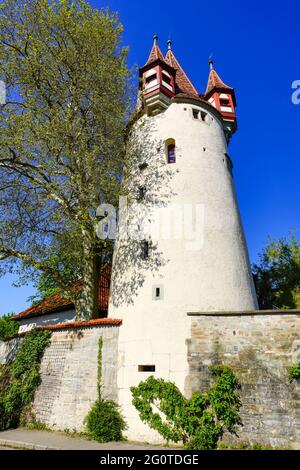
155 39
169 42
211 62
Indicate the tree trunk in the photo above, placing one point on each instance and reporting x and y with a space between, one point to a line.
87 303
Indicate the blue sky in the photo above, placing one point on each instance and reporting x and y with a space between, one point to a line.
256 48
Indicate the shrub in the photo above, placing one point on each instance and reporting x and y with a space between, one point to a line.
105 422
8 327
199 422
22 378
294 372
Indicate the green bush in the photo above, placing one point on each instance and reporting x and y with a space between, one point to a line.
8 327
199 422
21 378
294 372
105 422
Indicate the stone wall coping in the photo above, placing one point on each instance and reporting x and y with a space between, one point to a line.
245 312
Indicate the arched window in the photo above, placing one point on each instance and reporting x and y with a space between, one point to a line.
170 151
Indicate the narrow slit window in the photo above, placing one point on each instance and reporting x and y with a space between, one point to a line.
157 292
145 249
141 193
146 368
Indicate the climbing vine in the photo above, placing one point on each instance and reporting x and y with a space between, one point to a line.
20 379
198 422
294 372
104 421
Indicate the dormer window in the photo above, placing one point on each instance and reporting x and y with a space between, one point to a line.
224 102
166 79
170 150
151 78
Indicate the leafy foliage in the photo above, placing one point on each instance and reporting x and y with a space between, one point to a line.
22 378
199 422
8 327
104 421
277 276
294 372
68 93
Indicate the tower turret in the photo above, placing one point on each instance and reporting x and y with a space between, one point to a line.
157 80
222 97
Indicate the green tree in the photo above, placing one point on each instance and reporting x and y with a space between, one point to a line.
61 148
277 275
8 327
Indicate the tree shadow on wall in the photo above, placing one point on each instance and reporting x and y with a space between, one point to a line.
146 184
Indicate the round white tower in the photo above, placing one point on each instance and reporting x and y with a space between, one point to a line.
194 259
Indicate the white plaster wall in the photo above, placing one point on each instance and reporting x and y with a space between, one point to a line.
216 277
48 319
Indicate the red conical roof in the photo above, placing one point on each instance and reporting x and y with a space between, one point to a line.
155 52
182 81
214 81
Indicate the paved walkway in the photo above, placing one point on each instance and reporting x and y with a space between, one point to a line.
46 440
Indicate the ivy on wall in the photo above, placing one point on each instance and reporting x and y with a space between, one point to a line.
294 372
19 379
198 422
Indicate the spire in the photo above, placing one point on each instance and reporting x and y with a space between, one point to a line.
183 83
214 81
155 51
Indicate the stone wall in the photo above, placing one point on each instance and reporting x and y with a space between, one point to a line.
260 347
8 350
69 375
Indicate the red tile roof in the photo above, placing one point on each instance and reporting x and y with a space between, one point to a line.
56 302
184 85
214 81
83 324
154 54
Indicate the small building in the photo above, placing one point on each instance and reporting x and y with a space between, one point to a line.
57 309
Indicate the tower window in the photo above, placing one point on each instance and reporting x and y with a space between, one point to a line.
146 368
141 193
151 78
171 153
166 79
157 292
170 150
196 113
225 103
145 249
143 166
203 116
